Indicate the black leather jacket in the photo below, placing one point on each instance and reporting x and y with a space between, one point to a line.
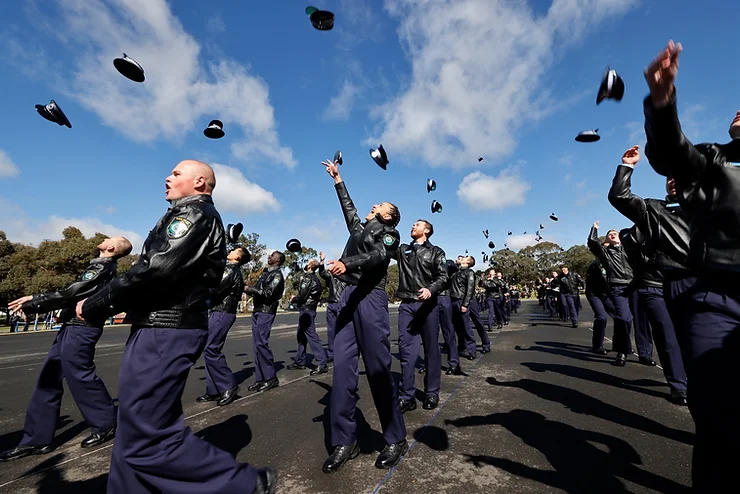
226 296
309 292
370 247
336 286
515 293
420 266
99 273
168 287
707 184
646 272
596 283
462 286
451 270
494 287
663 224
613 258
268 290
569 283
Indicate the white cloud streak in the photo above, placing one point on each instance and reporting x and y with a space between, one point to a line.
484 192
7 167
236 194
341 105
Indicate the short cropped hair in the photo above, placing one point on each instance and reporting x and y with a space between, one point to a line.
430 227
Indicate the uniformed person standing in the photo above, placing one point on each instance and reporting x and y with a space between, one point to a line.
267 293
166 298
493 300
569 291
475 319
462 291
220 382
444 303
363 327
336 286
707 179
597 294
71 358
309 294
422 274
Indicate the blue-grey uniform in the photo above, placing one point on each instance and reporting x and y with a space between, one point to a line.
267 293
336 287
307 299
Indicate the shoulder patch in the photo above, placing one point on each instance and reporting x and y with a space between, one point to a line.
178 227
88 275
388 239
276 280
443 258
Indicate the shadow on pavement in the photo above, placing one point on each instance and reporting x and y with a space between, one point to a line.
52 482
12 439
231 435
566 352
578 465
434 437
579 402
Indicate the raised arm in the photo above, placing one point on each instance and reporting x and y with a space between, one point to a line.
620 195
593 243
85 285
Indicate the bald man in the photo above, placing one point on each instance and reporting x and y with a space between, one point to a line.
71 357
166 296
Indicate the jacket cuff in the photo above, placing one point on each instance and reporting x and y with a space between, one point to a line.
627 165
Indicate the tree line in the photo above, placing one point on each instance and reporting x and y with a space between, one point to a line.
53 264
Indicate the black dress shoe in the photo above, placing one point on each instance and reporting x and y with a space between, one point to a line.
269 384
266 481
647 361
430 402
227 396
678 399
340 456
457 371
207 397
575 324
407 405
99 437
256 386
621 360
599 351
422 369
485 350
322 369
295 366
23 451
329 360
391 454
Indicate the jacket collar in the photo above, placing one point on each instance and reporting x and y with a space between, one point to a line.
191 199
731 150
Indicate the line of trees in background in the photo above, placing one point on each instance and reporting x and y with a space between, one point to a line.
25 269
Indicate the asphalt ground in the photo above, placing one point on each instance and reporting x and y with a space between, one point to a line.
538 414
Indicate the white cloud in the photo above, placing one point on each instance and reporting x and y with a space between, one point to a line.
107 209
181 92
483 192
635 133
479 73
516 242
7 167
216 24
236 194
340 106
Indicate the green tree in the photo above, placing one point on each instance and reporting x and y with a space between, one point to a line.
577 258
252 270
125 263
392 285
296 262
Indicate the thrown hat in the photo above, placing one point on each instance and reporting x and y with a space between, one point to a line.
293 245
553 217
485 233
509 233
338 157
542 227
233 232
491 245
323 20
525 232
129 68
485 258
588 136
431 185
612 86
480 158
466 251
53 113
380 157
215 130
436 207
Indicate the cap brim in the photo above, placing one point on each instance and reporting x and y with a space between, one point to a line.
323 20
129 70
213 133
588 137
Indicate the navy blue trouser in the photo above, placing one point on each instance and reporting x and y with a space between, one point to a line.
494 312
444 303
332 311
306 334
652 303
643 332
602 306
154 451
461 322
474 310
619 295
264 362
70 357
219 377
570 304
418 323
363 326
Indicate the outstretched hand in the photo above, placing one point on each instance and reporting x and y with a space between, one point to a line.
661 74
631 156
333 170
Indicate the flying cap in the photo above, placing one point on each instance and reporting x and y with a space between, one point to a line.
612 86
436 207
431 185
553 217
53 113
588 136
338 157
485 233
215 130
379 156
233 232
323 20
491 245
480 158
293 245
129 68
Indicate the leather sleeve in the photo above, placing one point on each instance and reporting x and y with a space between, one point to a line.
305 289
348 208
324 273
85 285
385 249
469 287
668 150
170 260
489 283
595 246
440 272
270 290
621 197
219 293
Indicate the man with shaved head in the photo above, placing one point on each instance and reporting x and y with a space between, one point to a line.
166 297
71 357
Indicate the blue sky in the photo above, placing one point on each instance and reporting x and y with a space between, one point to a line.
508 82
